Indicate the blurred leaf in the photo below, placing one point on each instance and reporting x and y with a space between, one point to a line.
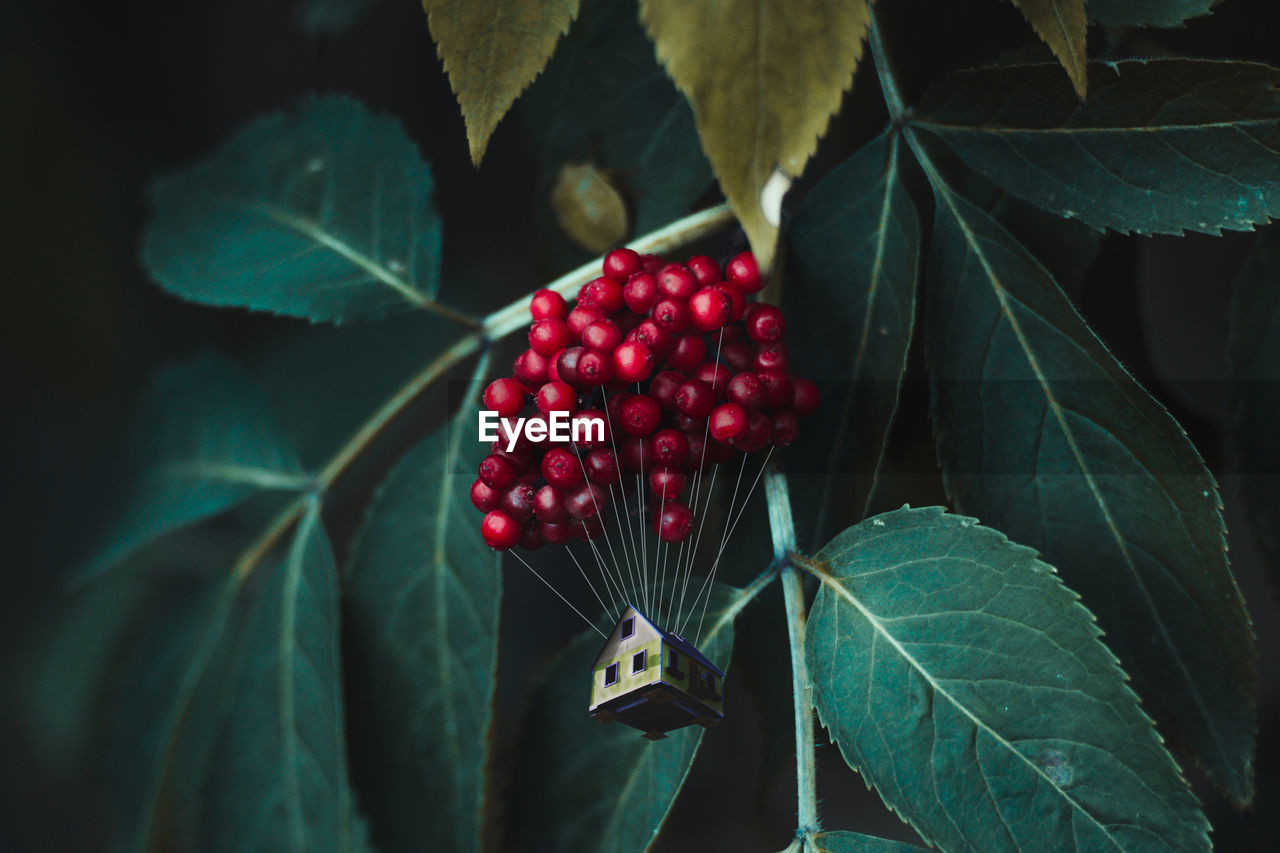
324 212
604 97
329 17
1061 25
423 594
764 81
968 685
856 842
1255 397
1147 13
1159 147
589 208
207 441
851 282
492 50
583 785
1043 435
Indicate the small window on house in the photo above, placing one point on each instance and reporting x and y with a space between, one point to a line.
673 663
628 626
611 674
638 662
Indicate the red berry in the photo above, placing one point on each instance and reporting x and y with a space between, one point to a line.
517 502
556 397
743 272
548 303
738 355
556 532
676 282
615 404
728 421
604 294
737 305
498 472
561 468
665 484
698 443
709 309
747 390
549 335
704 269
602 335
663 388
688 425
756 435
635 455
621 263
548 504
504 396
632 361
499 530
483 497
592 428
668 447
778 390
640 415
531 537
695 398
687 353
652 263
785 428
581 317
674 523
640 292
588 528
564 366
671 315
585 501
805 397
602 467
595 368
530 368
772 357
766 323
717 376
652 336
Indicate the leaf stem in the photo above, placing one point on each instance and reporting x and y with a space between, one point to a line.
898 110
783 532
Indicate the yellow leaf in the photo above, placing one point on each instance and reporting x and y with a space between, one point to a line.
492 50
589 208
1061 25
764 79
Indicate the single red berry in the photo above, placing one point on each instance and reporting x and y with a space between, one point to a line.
652 336
595 368
635 455
737 306
615 403
738 355
766 323
581 317
663 388
697 458
717 376
519 456
556 397
743 272
547 303
585 501
785 428
746 390
676 282
530 367
498 472
548 504
561 468
641 415
688 425
602 467
640 292
484 498
627 320
756 435
591 428
632 361
588 528
564 366
517 501
728 421
602 335
732 333
671 315
687 352
620 264
665 484
504 396
499 530
604 294
695 398
674 523
805 397
704 269
772 357
668 447
778 389
709 309
531 536
652 263
556 532
549 335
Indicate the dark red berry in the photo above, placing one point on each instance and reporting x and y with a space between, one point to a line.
676 282
581 317
652 336
756 435
483 497
743 272
709 309
621 263
635 454
641 415
564 366
665 484
640 292
632 361
715 375
556 532
688 425
592 428
548 504
530 368
805 397
531 537
704 269
766 323
602 335
602 467
695 398
588 528
772 357
585 501
504 396
778 389
738 355
549 335
663 388
548 303
671 315
497 472
668 447
557 397
652 263
499 530
687 352
674 523
728 421
517 502
785 428
603 293
616 401
737 305
747 390
595 368
561 468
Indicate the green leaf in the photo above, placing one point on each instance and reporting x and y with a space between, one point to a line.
492 50
1147 13
1045 436
1061 25
1255 393
764 80
329 17
583 785
206 442
851 282
323 212
1159 147
423 594
969 686
856 842
604 96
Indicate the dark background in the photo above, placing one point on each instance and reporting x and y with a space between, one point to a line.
99 98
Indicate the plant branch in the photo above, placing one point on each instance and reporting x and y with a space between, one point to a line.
898 110
783 532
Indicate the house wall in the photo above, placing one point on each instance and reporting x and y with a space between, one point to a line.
621 651
687 666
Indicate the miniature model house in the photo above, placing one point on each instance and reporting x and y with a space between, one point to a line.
654 680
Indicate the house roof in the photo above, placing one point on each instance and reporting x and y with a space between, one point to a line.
672 639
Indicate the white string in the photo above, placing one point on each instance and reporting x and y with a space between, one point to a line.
644 543
587 482
620 515
557 592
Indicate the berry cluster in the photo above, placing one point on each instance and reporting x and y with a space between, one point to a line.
682 371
